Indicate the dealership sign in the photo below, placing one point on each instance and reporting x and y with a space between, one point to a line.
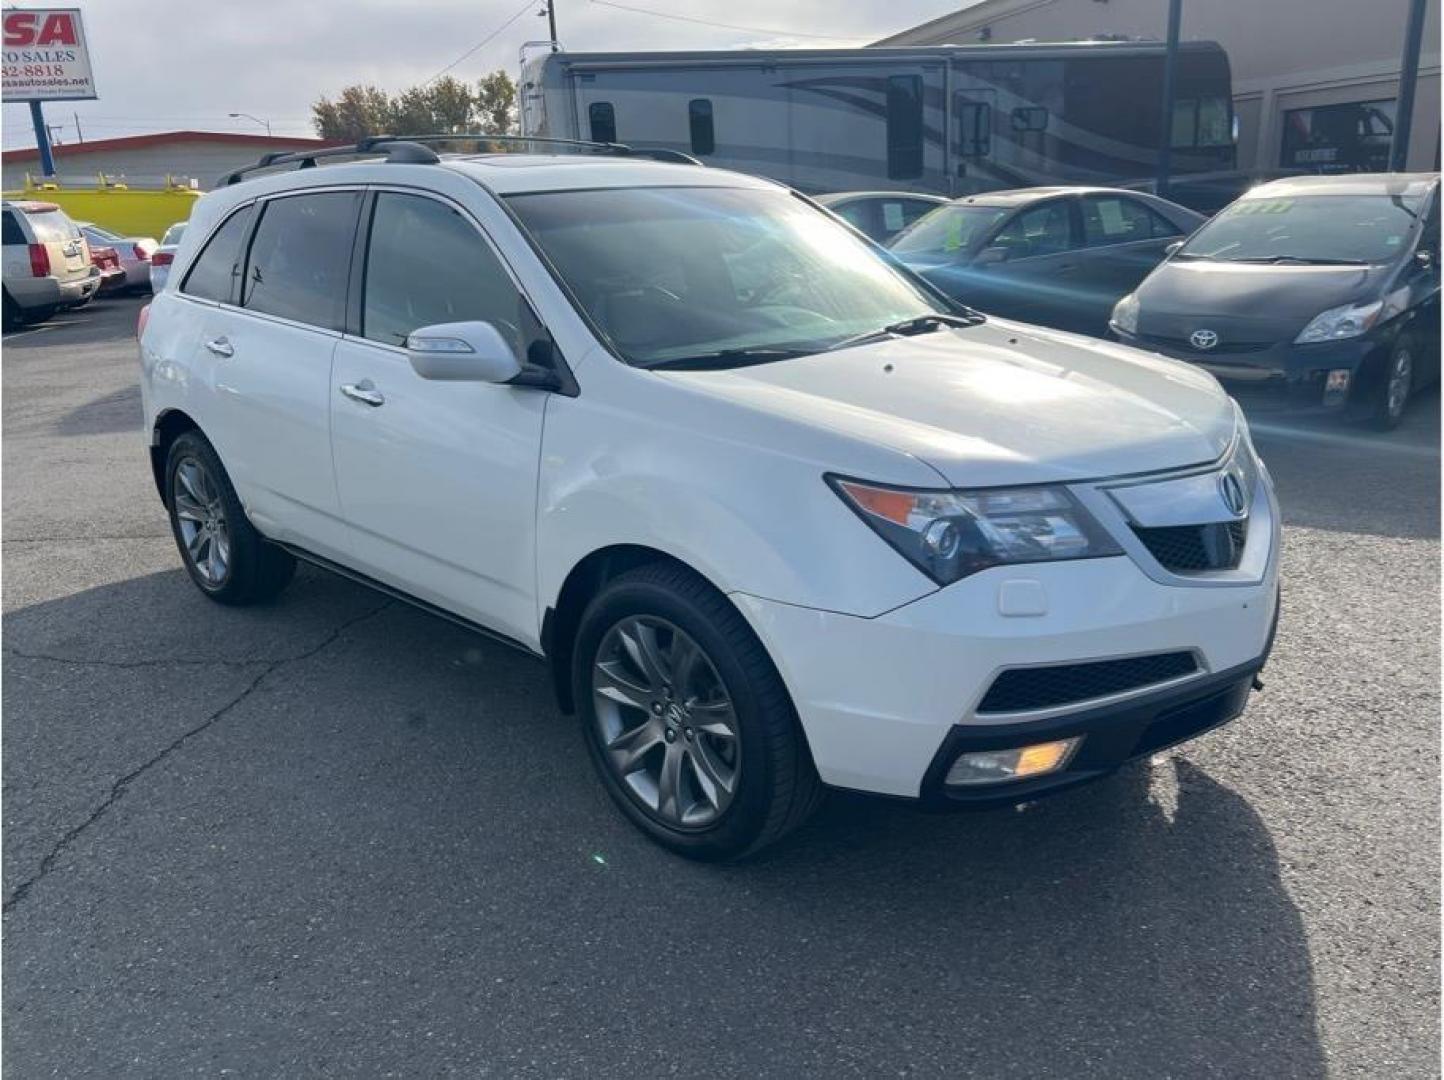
45 55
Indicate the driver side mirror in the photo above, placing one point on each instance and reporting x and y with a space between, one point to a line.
1173 248
992 255
462 352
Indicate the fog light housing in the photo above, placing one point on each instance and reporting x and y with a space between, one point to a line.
1336 386
1015 763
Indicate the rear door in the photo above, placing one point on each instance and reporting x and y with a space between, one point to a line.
437 479
1123 239
278 305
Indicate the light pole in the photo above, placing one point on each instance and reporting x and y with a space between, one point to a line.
247 116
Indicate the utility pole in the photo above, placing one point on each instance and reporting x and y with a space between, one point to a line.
1170 78
42 139
552 21
1408 76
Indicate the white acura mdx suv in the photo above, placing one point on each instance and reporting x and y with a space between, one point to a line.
776 514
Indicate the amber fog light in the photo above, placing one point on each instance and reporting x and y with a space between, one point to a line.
1018 763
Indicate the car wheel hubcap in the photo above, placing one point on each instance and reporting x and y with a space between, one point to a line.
666 723
201 517
1400 373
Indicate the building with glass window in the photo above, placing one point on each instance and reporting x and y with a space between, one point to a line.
1315 82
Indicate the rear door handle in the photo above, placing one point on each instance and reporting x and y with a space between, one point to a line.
365 392
221 347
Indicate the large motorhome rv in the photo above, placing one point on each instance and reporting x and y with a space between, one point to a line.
953 120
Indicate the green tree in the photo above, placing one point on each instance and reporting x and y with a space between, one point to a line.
443 107
357 112
495 103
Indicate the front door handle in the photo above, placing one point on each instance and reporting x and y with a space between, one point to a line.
221 347
365 392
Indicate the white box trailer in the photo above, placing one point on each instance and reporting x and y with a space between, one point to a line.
952 120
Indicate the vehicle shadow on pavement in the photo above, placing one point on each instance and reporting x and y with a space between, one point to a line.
106 415
255 839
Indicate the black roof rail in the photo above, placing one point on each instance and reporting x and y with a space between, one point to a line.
410 150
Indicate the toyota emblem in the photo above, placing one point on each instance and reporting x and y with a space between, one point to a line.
1231 490
1203 339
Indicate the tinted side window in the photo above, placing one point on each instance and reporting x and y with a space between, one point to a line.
426 264
13 233
861 215
1115 219
1042 230
699 117
300 258
220 262
603 120
905 126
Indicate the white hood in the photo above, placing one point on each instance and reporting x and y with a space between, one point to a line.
1000 403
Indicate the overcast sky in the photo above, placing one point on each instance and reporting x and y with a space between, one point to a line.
167 64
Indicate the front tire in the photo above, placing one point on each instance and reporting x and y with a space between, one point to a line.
225 556
686 719
1396 386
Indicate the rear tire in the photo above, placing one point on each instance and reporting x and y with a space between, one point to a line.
13 319
717 713
225 556
1396 386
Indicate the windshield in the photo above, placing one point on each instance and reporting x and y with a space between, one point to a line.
173 234
947 234
1312 228
672 273
102 234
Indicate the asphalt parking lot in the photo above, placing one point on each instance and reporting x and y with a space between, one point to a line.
338 836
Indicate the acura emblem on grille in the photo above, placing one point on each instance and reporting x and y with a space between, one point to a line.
1203 339
1231 489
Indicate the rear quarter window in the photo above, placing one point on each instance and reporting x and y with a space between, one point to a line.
14 234
218 264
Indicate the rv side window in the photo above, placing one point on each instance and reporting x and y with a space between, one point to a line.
1030 118
904 127
603 119
699 116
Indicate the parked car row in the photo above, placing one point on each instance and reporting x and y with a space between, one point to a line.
1318 291
53 262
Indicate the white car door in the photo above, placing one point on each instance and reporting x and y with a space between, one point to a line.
270 361
437 479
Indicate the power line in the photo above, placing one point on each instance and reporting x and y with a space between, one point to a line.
724 26
484 41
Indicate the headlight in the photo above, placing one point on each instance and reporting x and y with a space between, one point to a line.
951 534
1125 314
1338 323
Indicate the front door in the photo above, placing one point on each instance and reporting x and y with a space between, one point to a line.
972 150
437 479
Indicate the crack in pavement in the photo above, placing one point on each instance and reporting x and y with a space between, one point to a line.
118 788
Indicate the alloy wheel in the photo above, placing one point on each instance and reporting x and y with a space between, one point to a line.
1401 374
667 726
201 518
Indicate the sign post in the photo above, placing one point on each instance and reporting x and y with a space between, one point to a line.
46 58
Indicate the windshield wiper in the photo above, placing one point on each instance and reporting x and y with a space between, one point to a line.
921 324
1304 259
728 358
